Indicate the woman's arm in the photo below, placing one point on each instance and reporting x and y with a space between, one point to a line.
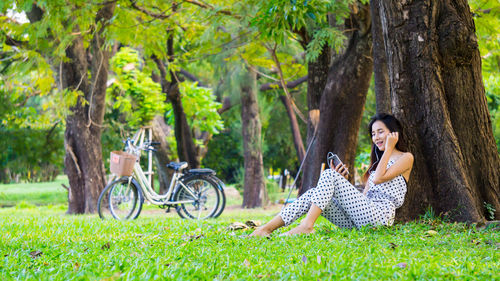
405 162
366 189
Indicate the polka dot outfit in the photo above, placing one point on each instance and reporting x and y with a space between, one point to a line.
343 205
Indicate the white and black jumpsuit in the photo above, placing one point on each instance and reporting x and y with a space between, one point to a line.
343 205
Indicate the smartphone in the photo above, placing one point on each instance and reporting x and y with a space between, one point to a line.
336 160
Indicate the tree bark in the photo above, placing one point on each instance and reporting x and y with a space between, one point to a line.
254 194
438 94
343 99
380 72
83 160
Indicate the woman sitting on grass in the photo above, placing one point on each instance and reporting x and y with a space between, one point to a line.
340 202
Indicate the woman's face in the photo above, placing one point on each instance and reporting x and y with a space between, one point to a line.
379 134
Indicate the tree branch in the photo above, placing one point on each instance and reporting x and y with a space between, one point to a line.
226 105
149 13
289 85
25 100
208 6
14 42
193 78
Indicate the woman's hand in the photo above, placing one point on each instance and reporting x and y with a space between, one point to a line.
341 169
391 140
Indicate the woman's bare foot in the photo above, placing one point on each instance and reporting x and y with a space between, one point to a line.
300 229
261 231
268 228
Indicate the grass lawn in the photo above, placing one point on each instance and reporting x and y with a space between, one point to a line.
43 193
42 243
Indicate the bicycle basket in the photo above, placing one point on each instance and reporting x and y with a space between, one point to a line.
121 163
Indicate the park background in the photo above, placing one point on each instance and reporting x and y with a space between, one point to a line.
238 87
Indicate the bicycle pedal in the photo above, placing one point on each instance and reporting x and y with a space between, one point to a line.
167 209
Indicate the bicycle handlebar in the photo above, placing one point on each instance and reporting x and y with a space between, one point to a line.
146 146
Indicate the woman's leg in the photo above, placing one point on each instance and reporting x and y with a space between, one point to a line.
288 215
322 199
307 224
336 215
356 206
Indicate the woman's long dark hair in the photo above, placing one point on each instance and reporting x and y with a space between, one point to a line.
394 126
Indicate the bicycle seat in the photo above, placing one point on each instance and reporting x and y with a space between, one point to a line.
177 166
202 172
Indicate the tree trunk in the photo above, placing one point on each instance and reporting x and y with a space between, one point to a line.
380 72
186 149
160 133
317 75
83 161
254 194
294 125
343 100
438 94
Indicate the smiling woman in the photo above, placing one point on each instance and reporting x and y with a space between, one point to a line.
340 202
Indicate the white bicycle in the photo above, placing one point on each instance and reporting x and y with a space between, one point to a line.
195 193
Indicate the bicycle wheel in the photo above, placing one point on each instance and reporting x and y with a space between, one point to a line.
200 195
102 203
222 196
125 199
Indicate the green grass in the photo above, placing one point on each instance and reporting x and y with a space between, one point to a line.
41 243
44 193
50 193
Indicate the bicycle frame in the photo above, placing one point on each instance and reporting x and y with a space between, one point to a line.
154 197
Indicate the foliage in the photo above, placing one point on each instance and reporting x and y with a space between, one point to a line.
487 19
225 150
26 87
277 20
30 154
133 91
200 108
41 243
490 210
279 150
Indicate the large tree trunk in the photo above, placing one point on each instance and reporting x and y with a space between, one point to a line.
254 194
438 94
380 72
83 161
343 99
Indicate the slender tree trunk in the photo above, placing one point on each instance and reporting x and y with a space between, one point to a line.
254 194
343 99
186 149
380 72
160 133
438 94
83 161
317 75
294 125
